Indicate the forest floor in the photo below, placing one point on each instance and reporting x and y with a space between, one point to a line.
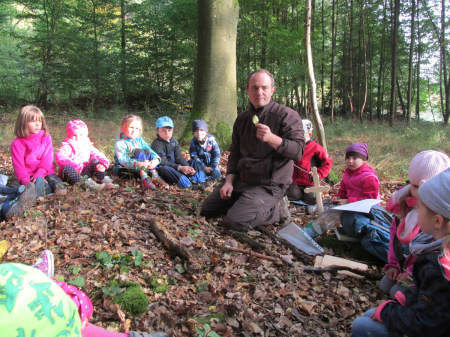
207 288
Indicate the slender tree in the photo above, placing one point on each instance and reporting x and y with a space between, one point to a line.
394 58
410 63
311 78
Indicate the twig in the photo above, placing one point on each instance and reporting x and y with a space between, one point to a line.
251 253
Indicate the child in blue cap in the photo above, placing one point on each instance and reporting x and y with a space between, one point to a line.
204 152
173 168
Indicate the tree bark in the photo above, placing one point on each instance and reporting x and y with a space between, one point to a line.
394 48
410 65
311 78
333 46
215 81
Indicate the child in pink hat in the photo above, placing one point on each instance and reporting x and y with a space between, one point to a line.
79 161
424 166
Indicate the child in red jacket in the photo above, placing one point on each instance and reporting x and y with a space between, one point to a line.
314 156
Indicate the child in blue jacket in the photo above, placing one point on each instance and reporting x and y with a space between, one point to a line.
204 152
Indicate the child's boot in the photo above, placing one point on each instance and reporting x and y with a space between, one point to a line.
21 203
160 183
147 184
46 263
92 185
109 183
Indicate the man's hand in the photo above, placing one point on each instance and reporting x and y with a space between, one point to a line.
187 170
226 191
264 134
227 188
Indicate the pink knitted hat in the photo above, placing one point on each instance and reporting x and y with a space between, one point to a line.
73 127
427 164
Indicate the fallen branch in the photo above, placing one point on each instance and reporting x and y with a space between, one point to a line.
172 244
252 253
244 238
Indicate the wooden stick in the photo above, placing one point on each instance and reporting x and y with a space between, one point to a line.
172 244
251 253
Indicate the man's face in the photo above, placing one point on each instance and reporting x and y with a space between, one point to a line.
260 89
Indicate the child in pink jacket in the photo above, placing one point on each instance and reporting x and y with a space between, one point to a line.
360 181
424 166
79 161
32 153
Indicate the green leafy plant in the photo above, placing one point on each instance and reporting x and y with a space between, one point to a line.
108 260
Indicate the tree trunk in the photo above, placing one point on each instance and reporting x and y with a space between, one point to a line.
394 48
311 78
350 61
419 57
215 80
444 65
361 113
333 46
410 65
123 51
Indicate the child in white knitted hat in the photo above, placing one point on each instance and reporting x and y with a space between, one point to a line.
424 308
424 166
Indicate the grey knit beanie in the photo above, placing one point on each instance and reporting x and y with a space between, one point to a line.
426 164
435 193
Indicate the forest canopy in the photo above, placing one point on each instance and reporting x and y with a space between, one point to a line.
99 54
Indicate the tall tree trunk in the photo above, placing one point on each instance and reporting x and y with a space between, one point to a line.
333 46
311 78
419 58
444 65
361 114
410 65
350 62
123 51
322 65
215 80
380 86
394 48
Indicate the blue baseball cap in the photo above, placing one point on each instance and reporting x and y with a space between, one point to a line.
164 122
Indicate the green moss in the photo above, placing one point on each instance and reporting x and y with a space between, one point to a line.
223 135
159 285
133 300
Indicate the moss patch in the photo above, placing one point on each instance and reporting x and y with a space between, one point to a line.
133 300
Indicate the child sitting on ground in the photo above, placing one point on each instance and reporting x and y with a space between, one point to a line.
133 157
314 156
204 152
361 182
32 153
173 168
424 166
424 307
79 161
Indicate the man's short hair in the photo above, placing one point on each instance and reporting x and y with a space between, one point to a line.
272 80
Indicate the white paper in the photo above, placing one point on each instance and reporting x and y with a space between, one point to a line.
300 239
362 206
